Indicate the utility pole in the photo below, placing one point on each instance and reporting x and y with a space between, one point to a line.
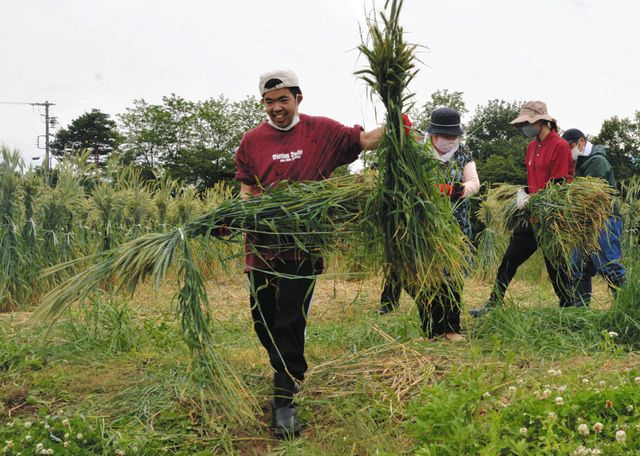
47 122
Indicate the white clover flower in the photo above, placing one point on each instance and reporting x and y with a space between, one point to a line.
552 416
39 446
559 401
519 381
621 436
637 380
597 428
602 383
585 381
65 422
583 429
28 424
79 436
546 394
596 452
581 451
28 437
46 426
487 394
512 389
554 372
523 431
613 334
562 388
120 453
630 408
66 444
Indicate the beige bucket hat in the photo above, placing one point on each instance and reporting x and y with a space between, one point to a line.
531 112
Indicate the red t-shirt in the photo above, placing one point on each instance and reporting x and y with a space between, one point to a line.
548 160
310 151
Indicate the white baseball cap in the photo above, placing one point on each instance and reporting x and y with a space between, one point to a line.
288 79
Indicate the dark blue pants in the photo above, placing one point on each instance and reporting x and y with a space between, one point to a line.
605 262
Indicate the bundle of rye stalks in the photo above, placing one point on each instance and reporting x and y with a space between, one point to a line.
491 241
423 244
564 217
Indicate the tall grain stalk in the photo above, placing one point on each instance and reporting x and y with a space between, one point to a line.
104 199
630 190
12 284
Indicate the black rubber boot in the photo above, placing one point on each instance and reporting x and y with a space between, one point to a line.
285 416
285 421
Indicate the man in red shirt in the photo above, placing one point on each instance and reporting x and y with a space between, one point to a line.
548 160
294 147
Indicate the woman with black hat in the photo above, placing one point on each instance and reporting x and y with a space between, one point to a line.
440 309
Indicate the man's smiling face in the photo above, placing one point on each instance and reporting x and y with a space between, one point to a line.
281 106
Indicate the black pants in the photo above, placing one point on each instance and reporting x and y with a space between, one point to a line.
279 306
522 245
439 309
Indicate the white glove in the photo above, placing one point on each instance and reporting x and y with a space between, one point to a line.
522 199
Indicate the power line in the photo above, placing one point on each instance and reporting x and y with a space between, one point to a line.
17 103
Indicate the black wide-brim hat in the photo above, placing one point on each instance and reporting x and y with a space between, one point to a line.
445 121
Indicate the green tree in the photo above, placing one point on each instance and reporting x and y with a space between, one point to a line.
155 132
498 147
438 99
194 142
622 138
93 131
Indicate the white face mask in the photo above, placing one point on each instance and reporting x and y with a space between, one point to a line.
445 148
575 152
294 122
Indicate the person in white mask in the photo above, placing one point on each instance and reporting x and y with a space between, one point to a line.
440 315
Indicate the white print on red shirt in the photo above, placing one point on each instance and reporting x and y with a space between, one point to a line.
283 158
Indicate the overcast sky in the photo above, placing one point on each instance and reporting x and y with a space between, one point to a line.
580 56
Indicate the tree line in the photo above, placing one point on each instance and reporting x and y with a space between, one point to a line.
194 142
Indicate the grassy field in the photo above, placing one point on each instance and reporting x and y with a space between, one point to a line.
112 377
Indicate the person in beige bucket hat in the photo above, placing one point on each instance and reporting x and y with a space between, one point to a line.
548 161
